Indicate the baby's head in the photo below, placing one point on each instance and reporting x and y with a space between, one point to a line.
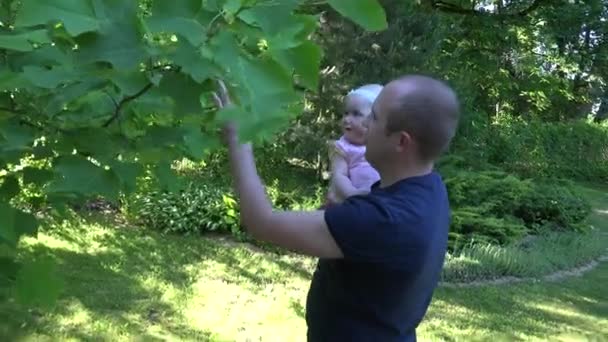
357 108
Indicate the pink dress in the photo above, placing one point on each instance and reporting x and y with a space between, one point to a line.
360 172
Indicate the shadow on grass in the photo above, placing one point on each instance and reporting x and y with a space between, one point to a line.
121 276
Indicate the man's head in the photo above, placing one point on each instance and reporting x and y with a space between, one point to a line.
413 121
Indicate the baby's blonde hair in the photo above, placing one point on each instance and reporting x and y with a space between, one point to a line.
368 91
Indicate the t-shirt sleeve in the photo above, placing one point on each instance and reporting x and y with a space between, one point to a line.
363 232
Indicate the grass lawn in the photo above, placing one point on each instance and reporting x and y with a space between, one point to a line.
131 284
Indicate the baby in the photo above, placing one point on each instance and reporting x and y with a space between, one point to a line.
351 174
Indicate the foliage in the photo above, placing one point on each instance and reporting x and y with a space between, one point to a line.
207 206
99 93
496 207
197 208
574 150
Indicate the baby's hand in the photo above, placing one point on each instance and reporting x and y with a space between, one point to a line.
362 191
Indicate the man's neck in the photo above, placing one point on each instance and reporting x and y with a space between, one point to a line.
391 176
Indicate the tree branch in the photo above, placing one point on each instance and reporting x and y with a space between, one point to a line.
124 101
448 7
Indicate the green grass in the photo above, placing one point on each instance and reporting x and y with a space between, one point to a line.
128 284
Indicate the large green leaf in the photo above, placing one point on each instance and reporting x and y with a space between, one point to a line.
48 78
15 136
77 175
32 175
367 13
118 41
9 188
23 41
272 16
192 62
98 143
127 173
305 60
183 17
264 76
38 283
296 33
14 224
77 16
196 143
184 91
166 177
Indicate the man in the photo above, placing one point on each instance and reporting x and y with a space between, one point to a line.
380 254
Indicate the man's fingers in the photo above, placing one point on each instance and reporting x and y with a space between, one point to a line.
224 92
217 100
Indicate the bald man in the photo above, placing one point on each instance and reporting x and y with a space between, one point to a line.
381 254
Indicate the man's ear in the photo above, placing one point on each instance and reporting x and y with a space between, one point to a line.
404 141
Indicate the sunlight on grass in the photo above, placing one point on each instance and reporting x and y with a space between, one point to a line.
127 284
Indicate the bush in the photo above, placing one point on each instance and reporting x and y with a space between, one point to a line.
574 150
494 207
195 209
210 207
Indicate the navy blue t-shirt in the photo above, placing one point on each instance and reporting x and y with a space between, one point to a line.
394 242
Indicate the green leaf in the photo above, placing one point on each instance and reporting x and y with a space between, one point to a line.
76 15
272 17
9 188
32 175
14 136
185 18
264 76
295 34
72 92
119 40
367 13
225 51
8 269
98 143
23 41
76 175
184 91
193 63
166 177
305 60
46 55
231 7
127 173
10 80
130 82
197 143
15 223
48 78
161 136
38 283
92 109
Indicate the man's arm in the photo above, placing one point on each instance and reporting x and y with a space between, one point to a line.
304 232
343 185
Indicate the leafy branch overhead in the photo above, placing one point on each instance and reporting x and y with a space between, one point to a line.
95 94
515 9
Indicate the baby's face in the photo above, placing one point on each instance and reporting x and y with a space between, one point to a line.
354 122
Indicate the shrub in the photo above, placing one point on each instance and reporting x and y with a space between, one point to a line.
195 209
204 206
575 150
494 207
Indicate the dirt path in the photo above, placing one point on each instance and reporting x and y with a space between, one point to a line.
556 276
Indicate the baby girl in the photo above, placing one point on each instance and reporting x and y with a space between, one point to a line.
351 174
